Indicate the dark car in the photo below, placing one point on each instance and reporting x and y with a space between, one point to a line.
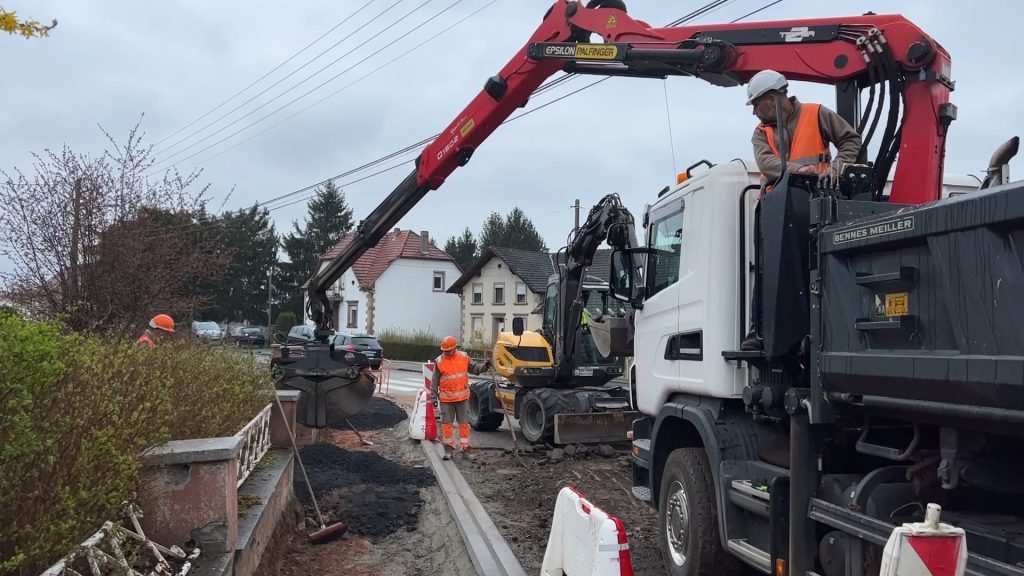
250 337
363 343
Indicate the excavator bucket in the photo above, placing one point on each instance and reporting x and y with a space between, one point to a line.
593 427
325 402
613 335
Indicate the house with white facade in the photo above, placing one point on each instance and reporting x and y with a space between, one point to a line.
399 285
506 283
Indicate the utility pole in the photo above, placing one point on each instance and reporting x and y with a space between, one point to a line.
270 275
576 206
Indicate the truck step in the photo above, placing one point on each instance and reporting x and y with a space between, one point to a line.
748 488
745 496
641 493
751 554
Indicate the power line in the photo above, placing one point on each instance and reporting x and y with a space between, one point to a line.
349 85
264 91
748 14
307 93
545 87
258 80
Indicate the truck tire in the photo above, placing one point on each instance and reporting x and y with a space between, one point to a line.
688 519
537 414
480 416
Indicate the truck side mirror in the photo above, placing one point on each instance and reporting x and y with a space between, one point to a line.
623 283
518 326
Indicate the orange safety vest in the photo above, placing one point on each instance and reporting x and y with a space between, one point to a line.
454 385
808 148
145 340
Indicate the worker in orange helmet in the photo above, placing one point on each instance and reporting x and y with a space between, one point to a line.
159 326
450 385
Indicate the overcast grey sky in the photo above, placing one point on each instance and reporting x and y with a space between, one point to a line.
110 61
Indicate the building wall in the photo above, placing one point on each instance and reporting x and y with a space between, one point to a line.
494 272
405 300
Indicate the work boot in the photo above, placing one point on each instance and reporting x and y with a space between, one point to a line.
465 452
752 343
447 452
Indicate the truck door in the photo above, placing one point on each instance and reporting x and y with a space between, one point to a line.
660 313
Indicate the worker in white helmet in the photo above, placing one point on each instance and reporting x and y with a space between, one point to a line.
807 130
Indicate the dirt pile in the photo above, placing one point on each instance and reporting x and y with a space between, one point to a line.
374 496
379 414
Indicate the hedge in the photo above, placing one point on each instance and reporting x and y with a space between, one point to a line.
75 412
412 352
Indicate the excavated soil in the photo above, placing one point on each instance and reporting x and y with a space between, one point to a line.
397 517
379 414
520 493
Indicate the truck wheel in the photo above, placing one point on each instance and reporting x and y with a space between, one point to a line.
688 520
537 420
480 416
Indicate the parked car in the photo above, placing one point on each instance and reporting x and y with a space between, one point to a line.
250 336
363 343
300 334
207 331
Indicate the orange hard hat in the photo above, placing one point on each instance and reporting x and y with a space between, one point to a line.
162 322
449 343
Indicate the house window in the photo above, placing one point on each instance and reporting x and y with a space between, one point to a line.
438 281
478 293
520 293
476 328
499 292
353 314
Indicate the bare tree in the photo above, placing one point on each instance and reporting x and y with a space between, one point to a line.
96 242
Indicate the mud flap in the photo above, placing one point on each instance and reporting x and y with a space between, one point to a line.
593 427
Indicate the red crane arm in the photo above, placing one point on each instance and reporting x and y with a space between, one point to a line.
827 50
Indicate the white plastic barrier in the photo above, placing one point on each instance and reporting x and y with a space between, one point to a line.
927 548
585 540
422 425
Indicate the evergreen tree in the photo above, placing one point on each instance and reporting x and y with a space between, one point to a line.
463 249
514 231
329 218
240 293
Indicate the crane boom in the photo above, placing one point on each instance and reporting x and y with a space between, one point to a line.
851 53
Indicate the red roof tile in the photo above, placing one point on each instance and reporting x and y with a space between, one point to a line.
394 245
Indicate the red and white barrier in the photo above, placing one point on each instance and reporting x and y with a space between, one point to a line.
585 540
927 548
428 374
422 425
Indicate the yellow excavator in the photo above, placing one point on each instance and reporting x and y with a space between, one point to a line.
555 381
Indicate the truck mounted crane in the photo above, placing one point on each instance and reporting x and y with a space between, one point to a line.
893 363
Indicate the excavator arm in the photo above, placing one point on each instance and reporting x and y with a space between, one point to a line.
851 53
610 221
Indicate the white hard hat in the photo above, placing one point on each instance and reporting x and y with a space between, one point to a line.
764 81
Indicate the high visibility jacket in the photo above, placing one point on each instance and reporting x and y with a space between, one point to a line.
145 340
808 148
454 384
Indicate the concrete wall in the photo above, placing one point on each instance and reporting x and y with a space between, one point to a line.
492 273
405 300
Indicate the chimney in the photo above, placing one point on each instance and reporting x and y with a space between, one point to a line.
397 230
424 242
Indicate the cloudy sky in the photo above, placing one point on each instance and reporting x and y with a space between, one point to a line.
110 62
